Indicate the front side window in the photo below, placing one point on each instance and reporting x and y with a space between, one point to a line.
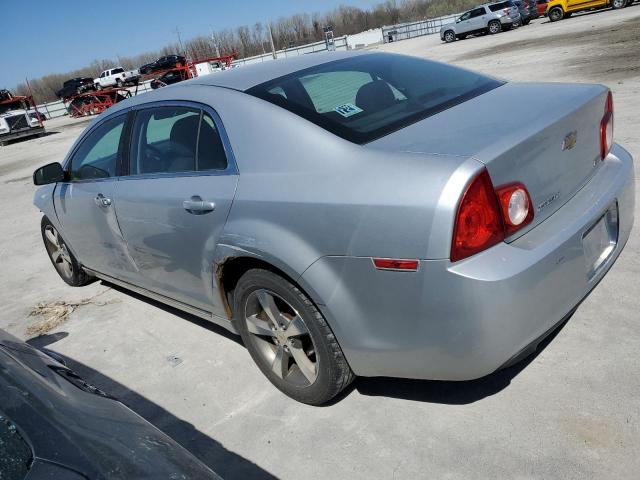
175 139
364 97
464 16
97 156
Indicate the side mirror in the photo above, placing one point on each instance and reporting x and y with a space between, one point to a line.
51 173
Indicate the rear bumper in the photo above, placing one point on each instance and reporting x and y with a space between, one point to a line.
465 320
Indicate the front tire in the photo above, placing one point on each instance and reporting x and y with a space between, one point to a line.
288 338
449 36
495 27
616 4
555 14
61 257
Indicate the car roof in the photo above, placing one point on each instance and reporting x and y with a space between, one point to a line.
247 76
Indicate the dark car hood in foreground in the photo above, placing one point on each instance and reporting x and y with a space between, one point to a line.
86 433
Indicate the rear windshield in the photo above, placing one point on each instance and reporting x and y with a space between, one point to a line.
499 6
365 97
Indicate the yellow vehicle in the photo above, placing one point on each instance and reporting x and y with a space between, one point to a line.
559 9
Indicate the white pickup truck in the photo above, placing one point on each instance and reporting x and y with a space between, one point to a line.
116 77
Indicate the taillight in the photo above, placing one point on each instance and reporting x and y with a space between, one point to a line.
486 215
478 223
606 128
515 204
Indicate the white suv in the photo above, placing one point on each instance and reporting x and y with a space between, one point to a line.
491 18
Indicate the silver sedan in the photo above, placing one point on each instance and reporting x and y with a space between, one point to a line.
350 214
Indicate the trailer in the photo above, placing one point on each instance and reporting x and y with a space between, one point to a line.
94 103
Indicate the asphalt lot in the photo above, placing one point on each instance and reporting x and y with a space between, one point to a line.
573 411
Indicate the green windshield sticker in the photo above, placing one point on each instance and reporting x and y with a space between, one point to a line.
347 109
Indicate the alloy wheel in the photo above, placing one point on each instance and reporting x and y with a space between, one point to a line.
281 337
58 252
449 36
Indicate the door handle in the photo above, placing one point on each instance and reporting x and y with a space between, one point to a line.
102 201
197 206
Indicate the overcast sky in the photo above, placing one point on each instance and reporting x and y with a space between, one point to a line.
51 36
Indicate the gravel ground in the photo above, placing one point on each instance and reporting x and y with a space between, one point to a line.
570 412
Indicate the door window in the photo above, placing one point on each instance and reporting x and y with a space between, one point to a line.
98 154
175 139
478 12
211 155
464 17
164 140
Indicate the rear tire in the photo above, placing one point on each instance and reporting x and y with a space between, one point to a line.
617 4
61 257
290 340
555 14
449 36
494 27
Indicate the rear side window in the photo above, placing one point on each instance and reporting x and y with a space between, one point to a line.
97 156
15 454
478 12
117 70
364 97
501 6
175 139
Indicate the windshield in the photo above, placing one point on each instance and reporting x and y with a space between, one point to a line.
365 97
7 107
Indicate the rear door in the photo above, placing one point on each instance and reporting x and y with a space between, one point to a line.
85 205
478 19
174 202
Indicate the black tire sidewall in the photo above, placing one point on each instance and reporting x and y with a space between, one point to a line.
323 388
79 276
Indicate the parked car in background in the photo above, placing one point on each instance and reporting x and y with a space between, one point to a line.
533 9
74 86
169 78
166 62
541 7
559 9
54 425
374 239
481 19
523 10
510 10
116 77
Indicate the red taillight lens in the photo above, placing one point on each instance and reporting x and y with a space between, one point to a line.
515 204
478 223
606 128
395 264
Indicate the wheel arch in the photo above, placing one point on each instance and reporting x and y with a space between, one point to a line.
233 262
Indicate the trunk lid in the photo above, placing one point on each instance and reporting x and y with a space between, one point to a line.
546 136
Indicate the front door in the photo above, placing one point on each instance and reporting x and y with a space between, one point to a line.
173 204
85 205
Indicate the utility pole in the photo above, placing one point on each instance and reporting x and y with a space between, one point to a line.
273 48
177 32
213 40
